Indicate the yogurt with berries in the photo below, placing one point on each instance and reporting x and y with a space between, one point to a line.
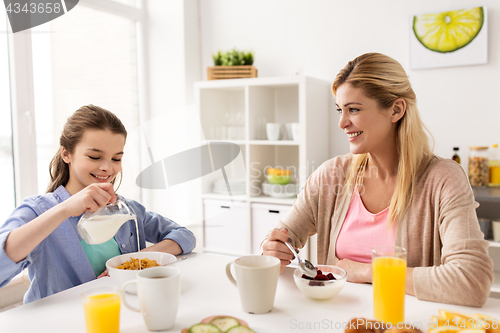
326 284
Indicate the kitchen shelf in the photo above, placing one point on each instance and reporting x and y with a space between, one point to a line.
261 199
237 142
271 200
494 244
216 196
495 287
494 253
249 104
489 200
486 194
273 143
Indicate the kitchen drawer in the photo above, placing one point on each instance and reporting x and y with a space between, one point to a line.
225 227
264 218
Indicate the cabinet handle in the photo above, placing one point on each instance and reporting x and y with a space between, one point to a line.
227 207
274 211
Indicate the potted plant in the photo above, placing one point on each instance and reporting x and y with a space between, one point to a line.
232 64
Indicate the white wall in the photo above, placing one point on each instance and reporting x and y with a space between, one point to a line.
459 105
171 37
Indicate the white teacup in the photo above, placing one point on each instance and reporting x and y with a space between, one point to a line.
158 290
274 131
256 280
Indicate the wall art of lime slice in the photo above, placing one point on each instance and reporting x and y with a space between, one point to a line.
448 31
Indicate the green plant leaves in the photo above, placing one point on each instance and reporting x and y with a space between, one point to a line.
232 58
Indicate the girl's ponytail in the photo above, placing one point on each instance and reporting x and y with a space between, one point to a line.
59 172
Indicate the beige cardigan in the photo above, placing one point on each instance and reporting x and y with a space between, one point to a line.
440 229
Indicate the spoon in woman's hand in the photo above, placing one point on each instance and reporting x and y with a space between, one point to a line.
306 266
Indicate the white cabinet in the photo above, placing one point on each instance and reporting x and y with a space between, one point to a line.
494 252
264 217
225 227
489 200
237 111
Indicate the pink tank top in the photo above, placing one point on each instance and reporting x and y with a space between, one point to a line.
361 231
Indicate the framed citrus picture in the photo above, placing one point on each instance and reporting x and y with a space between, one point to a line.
451 38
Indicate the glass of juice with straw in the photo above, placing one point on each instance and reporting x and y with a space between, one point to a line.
389 283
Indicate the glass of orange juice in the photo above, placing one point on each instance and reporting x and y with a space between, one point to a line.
389 283
102 310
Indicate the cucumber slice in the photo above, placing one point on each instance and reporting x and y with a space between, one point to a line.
240 329
225 323
204 328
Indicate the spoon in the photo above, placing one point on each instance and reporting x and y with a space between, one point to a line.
306 266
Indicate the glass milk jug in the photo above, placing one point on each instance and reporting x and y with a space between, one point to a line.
100 226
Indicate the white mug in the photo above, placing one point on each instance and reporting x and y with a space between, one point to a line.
274 131
256 280
158 290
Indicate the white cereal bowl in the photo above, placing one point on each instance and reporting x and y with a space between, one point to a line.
120 276
327 289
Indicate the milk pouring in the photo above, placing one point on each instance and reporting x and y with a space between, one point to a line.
100 229
100 226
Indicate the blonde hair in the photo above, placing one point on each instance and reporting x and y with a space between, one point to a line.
86 117
384 80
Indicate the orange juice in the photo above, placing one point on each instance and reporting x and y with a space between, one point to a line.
102 313
389 284
494 173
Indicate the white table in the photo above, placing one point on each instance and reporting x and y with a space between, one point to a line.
206 291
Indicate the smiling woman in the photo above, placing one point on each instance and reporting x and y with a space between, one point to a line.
390 191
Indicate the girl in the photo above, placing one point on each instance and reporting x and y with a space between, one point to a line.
390 191
41 233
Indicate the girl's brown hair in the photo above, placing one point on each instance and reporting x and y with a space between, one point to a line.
384 80
86 117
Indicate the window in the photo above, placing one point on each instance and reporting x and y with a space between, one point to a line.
85 57
7 194
127 2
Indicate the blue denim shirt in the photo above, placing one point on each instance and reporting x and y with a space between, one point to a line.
59 261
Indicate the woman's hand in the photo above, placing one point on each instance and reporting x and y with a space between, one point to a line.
274 246
357 272
90 199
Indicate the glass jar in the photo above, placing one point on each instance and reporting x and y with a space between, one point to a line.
478 166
